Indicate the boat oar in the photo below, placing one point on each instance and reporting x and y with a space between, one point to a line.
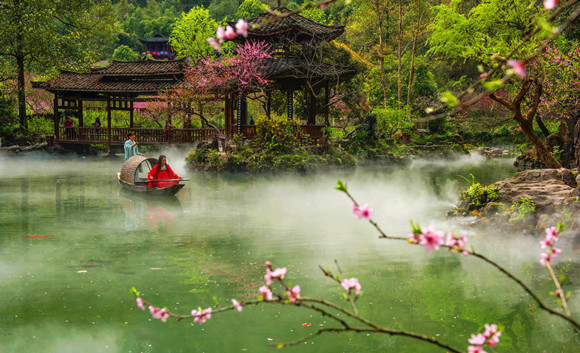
161 180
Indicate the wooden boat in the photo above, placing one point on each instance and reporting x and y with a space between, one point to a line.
126 178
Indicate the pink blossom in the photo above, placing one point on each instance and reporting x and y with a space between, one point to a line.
545 259
323 5
558 292
457 242
268 264
495 57
431 239
266 293
550 4
220 33
483 75
214 44
365 212
475 349
518 67
140 303
230 33
242 28
556 252
492 334
552 233
546 243
351 283
237 305
293 293
362 212
201 316
159 313
355 210
277 273
478 339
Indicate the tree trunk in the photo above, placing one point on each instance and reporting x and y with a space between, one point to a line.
413 51
543 127
399 57
21 94
541 151
527 122
381 52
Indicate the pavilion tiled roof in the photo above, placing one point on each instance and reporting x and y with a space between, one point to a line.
143 68
156 38
292 27
120 77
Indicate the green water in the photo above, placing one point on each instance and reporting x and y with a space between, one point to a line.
69 291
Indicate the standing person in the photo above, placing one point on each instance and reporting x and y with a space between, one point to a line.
131 150
96 125
68 124
162 171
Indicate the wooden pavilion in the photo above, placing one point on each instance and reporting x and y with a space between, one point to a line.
123 83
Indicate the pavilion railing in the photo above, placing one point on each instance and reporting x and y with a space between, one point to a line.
310 135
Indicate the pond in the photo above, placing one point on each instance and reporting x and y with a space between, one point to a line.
72 244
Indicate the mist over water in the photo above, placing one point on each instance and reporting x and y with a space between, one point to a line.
72 244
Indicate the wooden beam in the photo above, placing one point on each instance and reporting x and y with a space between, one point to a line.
326 107
131 114
56 118
80 112
108 126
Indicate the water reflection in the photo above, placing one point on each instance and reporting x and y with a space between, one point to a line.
149 211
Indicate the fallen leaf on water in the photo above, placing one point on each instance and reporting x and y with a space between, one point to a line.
156 268
306 324
82 271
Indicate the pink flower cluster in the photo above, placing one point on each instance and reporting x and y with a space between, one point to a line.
351 283
429 238
548 243
517 67
158 313
277 273
457 242
293 293
228 33
362 212
201 316
489 337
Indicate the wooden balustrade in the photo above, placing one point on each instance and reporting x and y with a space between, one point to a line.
310 134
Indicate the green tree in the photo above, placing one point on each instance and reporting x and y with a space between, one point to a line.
47 35
494 27
125 53
190 33
249 9
222 9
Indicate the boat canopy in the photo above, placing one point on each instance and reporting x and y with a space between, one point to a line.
131 165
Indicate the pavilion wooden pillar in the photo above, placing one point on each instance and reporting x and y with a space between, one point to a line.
312 110
268 102
290 108
131 114
80 112
326 107
56 118
109 124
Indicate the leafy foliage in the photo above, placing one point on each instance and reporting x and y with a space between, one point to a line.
124 53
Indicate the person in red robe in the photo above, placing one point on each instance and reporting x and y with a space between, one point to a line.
162 171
